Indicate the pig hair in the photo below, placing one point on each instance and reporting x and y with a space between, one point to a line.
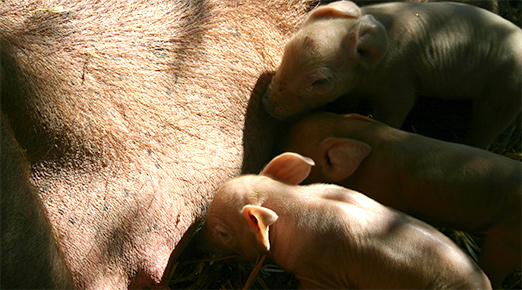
131 113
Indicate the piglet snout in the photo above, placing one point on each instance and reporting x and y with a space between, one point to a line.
268 106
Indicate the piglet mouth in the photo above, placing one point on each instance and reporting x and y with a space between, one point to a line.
281 112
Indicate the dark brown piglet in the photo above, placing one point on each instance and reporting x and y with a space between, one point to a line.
446 184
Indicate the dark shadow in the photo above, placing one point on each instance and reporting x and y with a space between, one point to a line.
19 102
30 256
261 131
15 95
446 120
187 248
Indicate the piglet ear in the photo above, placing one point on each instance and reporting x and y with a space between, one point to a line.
343 156
290 168
343 9
372 41
259 220
358 117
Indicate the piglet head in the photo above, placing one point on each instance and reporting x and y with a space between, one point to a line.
237 221
323 137
323 59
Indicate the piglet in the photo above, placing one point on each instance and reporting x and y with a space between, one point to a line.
333 237
392 53
446 184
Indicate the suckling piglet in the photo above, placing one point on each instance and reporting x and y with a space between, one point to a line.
443 183
333 237
392 53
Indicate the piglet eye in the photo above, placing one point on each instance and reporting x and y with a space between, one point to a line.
224 235
320 82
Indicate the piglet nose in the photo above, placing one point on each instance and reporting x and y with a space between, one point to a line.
268 106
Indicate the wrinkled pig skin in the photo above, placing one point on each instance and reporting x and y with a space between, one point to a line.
42 254
392 53
131 114
443 183
332 237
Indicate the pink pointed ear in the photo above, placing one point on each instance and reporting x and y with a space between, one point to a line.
343 9
290 168
343 156
259 219
372 41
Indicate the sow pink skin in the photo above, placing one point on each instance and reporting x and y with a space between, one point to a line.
332 237
447 184
129 115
